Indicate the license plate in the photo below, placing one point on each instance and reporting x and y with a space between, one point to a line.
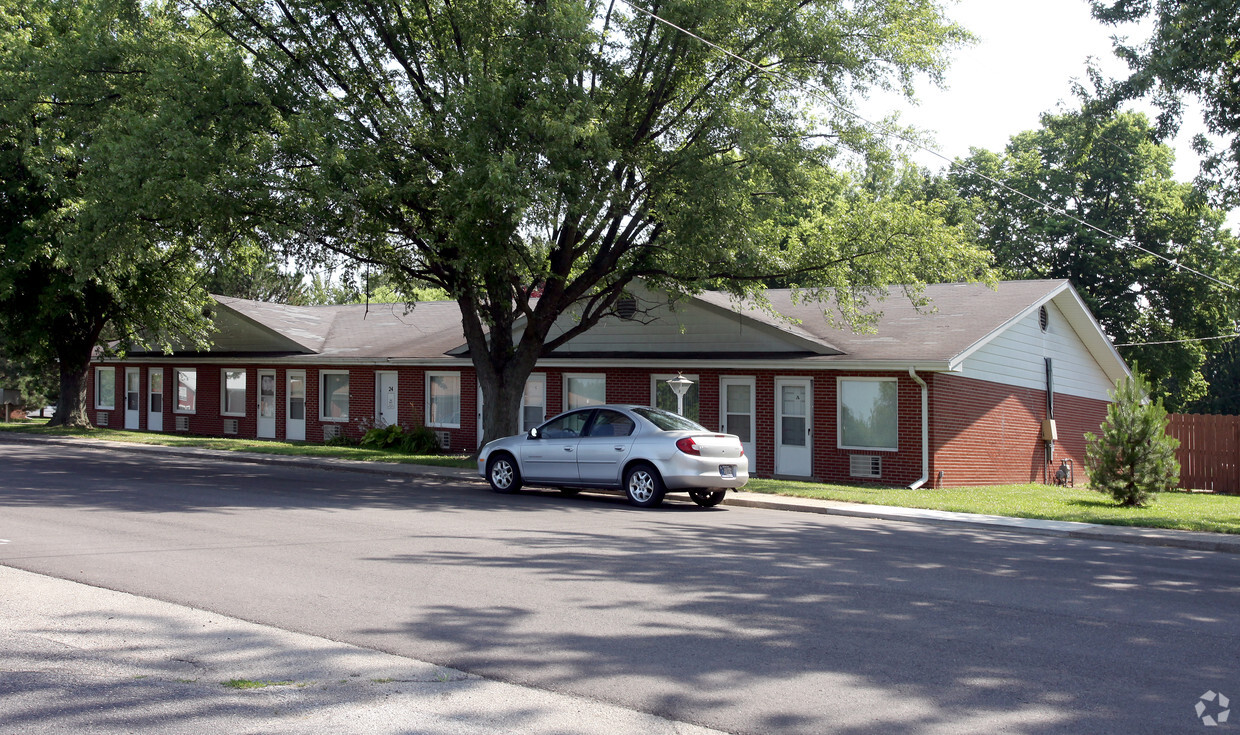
727 471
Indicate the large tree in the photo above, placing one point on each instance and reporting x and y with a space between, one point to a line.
117 119
1094 201
1192 53
533 158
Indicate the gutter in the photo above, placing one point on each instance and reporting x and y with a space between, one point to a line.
925 430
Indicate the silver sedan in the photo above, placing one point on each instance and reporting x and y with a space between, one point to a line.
642 451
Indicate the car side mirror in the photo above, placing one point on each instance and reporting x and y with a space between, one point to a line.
533 433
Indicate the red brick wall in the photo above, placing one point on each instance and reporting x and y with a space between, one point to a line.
207 420
981 433
632 385
986 433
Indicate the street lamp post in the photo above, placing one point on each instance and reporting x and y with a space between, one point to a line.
680 386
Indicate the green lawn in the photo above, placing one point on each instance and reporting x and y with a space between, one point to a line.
261 446
1178 510
1185 511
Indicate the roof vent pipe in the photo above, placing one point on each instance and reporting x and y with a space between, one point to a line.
925 430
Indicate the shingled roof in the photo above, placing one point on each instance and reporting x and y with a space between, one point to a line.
959 319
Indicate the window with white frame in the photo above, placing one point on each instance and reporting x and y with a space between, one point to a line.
232 399
662 396
187 390
443 400
868 413
334 395
534 402
105 387
584 390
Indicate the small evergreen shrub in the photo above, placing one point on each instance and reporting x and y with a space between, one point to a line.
1134 457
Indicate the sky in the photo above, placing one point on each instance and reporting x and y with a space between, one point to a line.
1027 55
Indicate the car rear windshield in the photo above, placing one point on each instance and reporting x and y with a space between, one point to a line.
668 421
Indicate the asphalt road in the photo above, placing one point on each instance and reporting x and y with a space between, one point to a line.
745 620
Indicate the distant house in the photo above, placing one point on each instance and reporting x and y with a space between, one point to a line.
971 392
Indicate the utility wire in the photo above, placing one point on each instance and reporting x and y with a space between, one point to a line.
1178 341
824 97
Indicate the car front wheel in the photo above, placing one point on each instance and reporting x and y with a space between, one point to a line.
707 498
643 486
503 474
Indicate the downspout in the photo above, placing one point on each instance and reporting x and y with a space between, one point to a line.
925 430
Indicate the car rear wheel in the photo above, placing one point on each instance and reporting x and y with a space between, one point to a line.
643 486
503 474
707 498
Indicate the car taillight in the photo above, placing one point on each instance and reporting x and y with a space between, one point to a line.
688 446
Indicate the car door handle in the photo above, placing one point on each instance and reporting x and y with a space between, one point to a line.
620 448
568 449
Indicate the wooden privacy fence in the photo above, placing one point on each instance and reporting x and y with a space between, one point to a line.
1209 451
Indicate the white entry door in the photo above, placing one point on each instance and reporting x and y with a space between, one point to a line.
266 404
793 449
155 399
295 406
386 397
737 416
133 397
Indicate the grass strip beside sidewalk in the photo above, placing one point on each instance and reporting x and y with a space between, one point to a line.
259 446
1174 510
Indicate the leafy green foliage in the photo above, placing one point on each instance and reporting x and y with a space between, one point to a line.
1134 457
373 288
1112 176
38 382
506 150
1194 52
418 440
254 274
340 439
120 123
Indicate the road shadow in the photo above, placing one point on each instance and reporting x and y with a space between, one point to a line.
767 622
788 627
105 478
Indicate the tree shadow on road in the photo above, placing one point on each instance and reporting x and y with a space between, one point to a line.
805 626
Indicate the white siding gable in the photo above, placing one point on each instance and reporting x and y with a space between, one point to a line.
1015 357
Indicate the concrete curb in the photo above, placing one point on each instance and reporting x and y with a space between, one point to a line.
1194 540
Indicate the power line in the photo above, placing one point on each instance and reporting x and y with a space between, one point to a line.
824 97
1178 341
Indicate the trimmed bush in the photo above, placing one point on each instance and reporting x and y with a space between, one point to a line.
418 440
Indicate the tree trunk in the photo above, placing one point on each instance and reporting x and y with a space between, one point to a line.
71 406
500 366
74 348
502 406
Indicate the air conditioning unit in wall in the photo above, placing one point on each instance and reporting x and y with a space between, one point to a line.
231 426
331 431
182 423
445 439
865 465
101 418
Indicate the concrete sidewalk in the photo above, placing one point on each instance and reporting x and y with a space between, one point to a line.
80 659
1198 541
